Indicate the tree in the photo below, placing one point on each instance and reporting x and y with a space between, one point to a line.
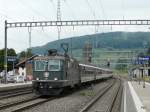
22 55
10 52
25 54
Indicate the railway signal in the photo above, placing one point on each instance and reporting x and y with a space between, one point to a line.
108 64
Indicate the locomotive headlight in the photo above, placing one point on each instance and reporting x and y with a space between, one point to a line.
55 78
46 74
37 78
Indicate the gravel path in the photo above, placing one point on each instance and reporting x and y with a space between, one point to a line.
70 103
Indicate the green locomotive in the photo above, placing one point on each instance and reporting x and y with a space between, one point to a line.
53 73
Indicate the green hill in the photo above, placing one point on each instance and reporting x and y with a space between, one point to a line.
117 47
110 41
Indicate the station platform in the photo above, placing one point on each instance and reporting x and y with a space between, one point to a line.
136 98
10 86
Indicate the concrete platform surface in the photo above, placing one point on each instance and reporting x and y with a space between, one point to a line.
140 95
4 87
127 100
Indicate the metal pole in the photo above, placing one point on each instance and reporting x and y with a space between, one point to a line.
58 17
5 59
13 67
71 47
144 76
140 75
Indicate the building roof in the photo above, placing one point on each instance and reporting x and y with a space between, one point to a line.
22 63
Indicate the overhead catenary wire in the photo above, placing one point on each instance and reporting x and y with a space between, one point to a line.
123 9
22 3
100 3
96 27
5 16
102 9
54 7
16 40
70 9
91 9
25 4
34 11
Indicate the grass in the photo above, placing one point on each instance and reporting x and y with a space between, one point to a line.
87 93
147 79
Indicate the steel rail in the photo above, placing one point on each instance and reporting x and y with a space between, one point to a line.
4 91
33 105
114 97
15 94
94 100
117 103
10 104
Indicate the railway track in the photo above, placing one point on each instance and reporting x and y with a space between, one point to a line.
101 102
116 106
21 105
28 103
39 101
31 104
13 103
15 92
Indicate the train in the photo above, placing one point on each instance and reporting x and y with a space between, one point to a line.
54 72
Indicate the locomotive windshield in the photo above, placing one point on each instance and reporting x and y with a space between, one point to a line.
54 65
50 65
40 65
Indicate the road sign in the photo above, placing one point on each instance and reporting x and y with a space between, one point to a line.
11 58
145 58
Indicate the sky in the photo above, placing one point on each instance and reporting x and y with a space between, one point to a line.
46 10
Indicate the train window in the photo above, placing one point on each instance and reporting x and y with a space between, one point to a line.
40 65
54 65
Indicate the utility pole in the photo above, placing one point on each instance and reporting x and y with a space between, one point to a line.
29 30
58 17
29 50
71 47
5 59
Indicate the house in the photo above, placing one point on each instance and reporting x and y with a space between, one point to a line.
25 67
140 72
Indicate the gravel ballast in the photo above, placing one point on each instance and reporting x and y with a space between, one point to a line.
70 103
